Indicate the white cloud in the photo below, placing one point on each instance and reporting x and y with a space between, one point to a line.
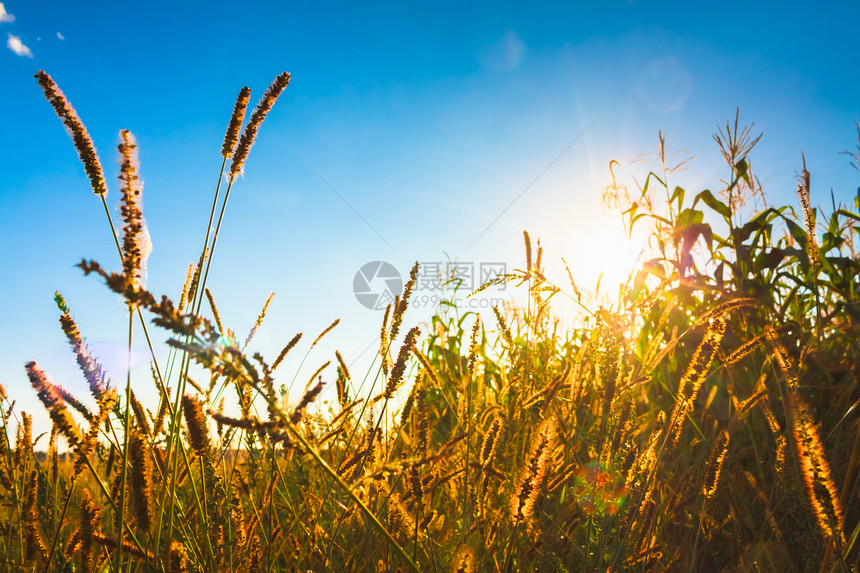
60 36
5 17
14 43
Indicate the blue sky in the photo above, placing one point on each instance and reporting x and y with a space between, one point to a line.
428 119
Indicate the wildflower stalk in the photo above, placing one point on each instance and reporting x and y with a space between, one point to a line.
194 297
240 153
125 440
89 158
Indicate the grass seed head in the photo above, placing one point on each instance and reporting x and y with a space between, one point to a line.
528 244
136 244
141 481
399 368
489 443
177 558
533 474
286 350
820 488
91 368
53 402
215 314
243 147
75 127
260 317
140 416
715 464
328 329
195 420
232 134
88 528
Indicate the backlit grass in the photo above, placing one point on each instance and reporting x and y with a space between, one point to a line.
701 422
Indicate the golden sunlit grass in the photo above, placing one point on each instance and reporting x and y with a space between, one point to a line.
703 421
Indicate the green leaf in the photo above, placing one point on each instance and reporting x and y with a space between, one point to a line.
849 214
679 193
713 203
798 232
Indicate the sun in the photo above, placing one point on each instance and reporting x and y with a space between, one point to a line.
600 258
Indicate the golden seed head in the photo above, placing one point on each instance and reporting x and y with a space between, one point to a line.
286 350
538 259
243 147
473 345
820 488
89 527
328 329
715 464
696 372
401 303
342 379
183 299
198 434
384 328
744 350
177 560
88 364
396 376
343 368
140 416
488 446
214 308
528 244
464 560
259 322
533 474
783 359
779 458
81 138
236 120
136 244
141 480
34 545
307 399
808 219
423 429
52 401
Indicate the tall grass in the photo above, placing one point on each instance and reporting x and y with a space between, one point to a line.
703 421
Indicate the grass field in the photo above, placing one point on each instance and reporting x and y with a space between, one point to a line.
703 421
